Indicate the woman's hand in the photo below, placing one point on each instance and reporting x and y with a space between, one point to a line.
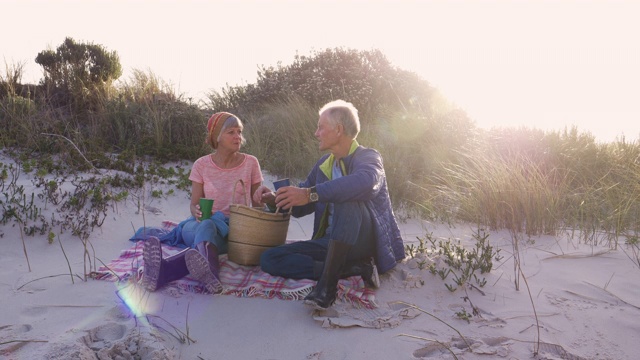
263 195
197 191
196 212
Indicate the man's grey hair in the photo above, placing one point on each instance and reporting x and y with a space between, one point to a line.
342 112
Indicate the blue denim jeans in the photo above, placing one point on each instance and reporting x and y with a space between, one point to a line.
351 224
194 232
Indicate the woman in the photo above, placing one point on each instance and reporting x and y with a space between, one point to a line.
213 176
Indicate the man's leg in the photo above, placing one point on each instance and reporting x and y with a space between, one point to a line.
351 239
360 258
298 260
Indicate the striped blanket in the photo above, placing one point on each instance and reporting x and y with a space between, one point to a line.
238 280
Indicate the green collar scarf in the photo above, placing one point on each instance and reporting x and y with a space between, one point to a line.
327 165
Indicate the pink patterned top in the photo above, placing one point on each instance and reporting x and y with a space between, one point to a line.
219 184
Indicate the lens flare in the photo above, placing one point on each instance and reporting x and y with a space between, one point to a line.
137 299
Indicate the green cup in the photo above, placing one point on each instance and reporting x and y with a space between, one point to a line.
205 207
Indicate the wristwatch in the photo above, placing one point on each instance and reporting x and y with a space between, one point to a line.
313 194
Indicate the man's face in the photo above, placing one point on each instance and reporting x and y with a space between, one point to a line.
327 133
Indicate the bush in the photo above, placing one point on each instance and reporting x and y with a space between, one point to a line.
365 78
79 75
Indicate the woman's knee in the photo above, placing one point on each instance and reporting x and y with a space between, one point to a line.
206 230
207 224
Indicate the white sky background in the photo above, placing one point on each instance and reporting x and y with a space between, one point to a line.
541 64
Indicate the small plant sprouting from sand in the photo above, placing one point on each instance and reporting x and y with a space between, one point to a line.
515 244
465 267
464 315
452 259
51 238
19 207
536 347
632 250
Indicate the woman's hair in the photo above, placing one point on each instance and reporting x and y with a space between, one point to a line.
344 113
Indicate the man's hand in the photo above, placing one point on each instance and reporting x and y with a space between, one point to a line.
289 196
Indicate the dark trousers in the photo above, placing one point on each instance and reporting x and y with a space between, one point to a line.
351 224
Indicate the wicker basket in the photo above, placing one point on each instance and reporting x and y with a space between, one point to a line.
253 230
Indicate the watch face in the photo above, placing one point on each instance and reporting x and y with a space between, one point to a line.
313 196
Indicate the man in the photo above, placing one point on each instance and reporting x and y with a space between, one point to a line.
353 218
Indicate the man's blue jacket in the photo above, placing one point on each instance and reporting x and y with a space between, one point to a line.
364 180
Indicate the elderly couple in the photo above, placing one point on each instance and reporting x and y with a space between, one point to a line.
355 231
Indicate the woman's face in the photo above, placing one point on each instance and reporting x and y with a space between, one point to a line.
231 138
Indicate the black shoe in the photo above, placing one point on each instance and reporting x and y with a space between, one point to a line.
370 275
321 297
326 290
368 271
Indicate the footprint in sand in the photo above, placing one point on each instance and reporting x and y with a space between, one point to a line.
15 329
496 347
488 346
103 335
116 341
554 351
575 303
34 311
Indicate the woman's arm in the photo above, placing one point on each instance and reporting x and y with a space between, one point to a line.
197 191
255 187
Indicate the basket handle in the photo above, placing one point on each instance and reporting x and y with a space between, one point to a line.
247 203
233 196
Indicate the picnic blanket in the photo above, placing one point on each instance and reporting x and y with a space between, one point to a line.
238 280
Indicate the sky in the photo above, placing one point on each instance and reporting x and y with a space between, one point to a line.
540 64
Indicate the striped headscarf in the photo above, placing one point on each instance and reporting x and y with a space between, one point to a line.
214 126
